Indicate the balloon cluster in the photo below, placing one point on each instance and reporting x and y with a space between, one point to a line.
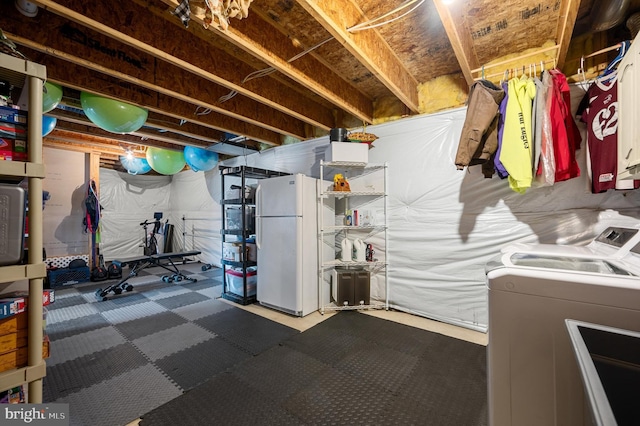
51 96
169 162
112 115
200 159
48 124
135 165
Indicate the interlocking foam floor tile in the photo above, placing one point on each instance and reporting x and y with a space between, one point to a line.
184 299
119 401
340 399
246 330
391 367
164 292
282 371
120 301
328 347
70 313
84 344
76 374
202 309
193 366
68 328
129 313
149 325
172 340
65 302
211 292
223 391
201 284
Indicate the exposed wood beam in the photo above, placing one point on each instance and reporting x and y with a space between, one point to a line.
568 16
88 132
64 40
460 39
79 78
276 50
367 46
181 50
74 141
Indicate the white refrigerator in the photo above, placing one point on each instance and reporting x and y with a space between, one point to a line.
287 243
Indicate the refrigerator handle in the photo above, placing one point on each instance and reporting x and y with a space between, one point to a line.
258 200
258 217
258 232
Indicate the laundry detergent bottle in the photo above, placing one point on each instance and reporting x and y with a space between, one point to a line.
347 250
359 250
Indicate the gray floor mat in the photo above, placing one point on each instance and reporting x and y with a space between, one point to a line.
339 373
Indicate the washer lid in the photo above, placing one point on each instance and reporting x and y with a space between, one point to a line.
578 264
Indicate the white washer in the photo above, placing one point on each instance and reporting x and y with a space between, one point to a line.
533 377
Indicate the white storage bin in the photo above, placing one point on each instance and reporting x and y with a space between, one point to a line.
351 152
235 284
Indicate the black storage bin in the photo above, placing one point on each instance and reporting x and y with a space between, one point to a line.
66 276
353 287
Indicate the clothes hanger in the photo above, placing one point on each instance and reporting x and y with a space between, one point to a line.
613 65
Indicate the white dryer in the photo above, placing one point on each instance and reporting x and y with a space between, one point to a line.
533 377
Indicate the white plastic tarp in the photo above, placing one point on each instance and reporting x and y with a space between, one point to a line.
444 224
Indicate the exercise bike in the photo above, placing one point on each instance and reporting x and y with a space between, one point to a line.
150 242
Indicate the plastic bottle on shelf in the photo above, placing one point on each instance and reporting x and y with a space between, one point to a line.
359 250
347 250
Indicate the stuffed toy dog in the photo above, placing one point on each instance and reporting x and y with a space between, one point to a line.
340 183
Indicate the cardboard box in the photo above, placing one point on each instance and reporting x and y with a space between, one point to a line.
235 282
13 130
18 358
20 150
348 152
12 341
252 252
12 115
11 306
13 324
233 252
6 149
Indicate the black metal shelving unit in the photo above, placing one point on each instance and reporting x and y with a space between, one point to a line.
241 176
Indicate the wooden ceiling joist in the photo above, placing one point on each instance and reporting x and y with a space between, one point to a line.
177 47
276 50
62 72
370 49
460 38
568 15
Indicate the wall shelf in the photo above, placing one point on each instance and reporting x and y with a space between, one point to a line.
359 195
23 74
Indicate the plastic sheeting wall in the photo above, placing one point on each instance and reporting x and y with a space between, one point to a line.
444 224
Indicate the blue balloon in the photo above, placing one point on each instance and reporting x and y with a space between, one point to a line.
48 124
200 159
135 165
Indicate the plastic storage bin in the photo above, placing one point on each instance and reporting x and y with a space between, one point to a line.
235 285
233 218
349 152
12 224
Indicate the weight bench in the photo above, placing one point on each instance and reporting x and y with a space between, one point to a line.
137 264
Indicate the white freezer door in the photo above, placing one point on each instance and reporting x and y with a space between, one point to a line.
280 268
280 196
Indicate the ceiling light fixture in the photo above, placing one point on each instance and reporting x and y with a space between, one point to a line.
26 8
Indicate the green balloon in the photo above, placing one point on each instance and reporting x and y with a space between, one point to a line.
112 115
165 161
51 96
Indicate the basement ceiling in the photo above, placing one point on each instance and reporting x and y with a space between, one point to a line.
292 69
